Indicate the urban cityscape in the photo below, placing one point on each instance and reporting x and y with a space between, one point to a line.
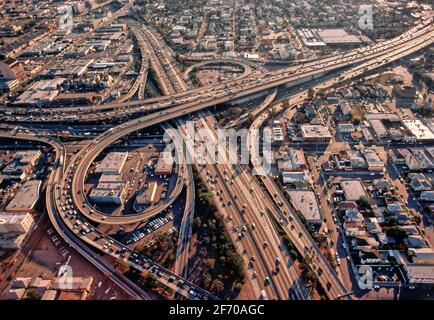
216 150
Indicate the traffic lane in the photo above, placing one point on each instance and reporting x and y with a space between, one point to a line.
247 244
250 205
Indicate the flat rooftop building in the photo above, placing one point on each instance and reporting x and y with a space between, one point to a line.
164 164
379 129
113 163
109 192
419 130
353 190
11 240
305 202
15 223
374 162
420 274
337 37
315 133
26 198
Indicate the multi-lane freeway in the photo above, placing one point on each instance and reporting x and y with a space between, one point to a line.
248 207
234 89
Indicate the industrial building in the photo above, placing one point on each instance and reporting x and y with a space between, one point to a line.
109 192
113 163
164 164
22 165
315 133
26 198
418 129
15 223
305 202
353 190
294 161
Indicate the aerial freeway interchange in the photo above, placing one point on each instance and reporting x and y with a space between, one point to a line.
178 101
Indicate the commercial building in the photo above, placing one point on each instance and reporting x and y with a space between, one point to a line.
11 74
22 164
15 223
319 38
379 129
353 190
11 240
298 179
373 161
26 198
113 163
294 161
419 274
338 37
418 129
315 133
109 192
164 164
305 202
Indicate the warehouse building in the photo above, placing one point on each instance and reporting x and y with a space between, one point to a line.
15 223
22 165
109 192
305 202
353 190
26 198
315 133
113 163
164 164
418 129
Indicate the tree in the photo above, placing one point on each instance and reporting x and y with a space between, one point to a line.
32 294
417 219
391 221
210 263
122 266
203 252
238 286
207 280
217 286
397 233
364 202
